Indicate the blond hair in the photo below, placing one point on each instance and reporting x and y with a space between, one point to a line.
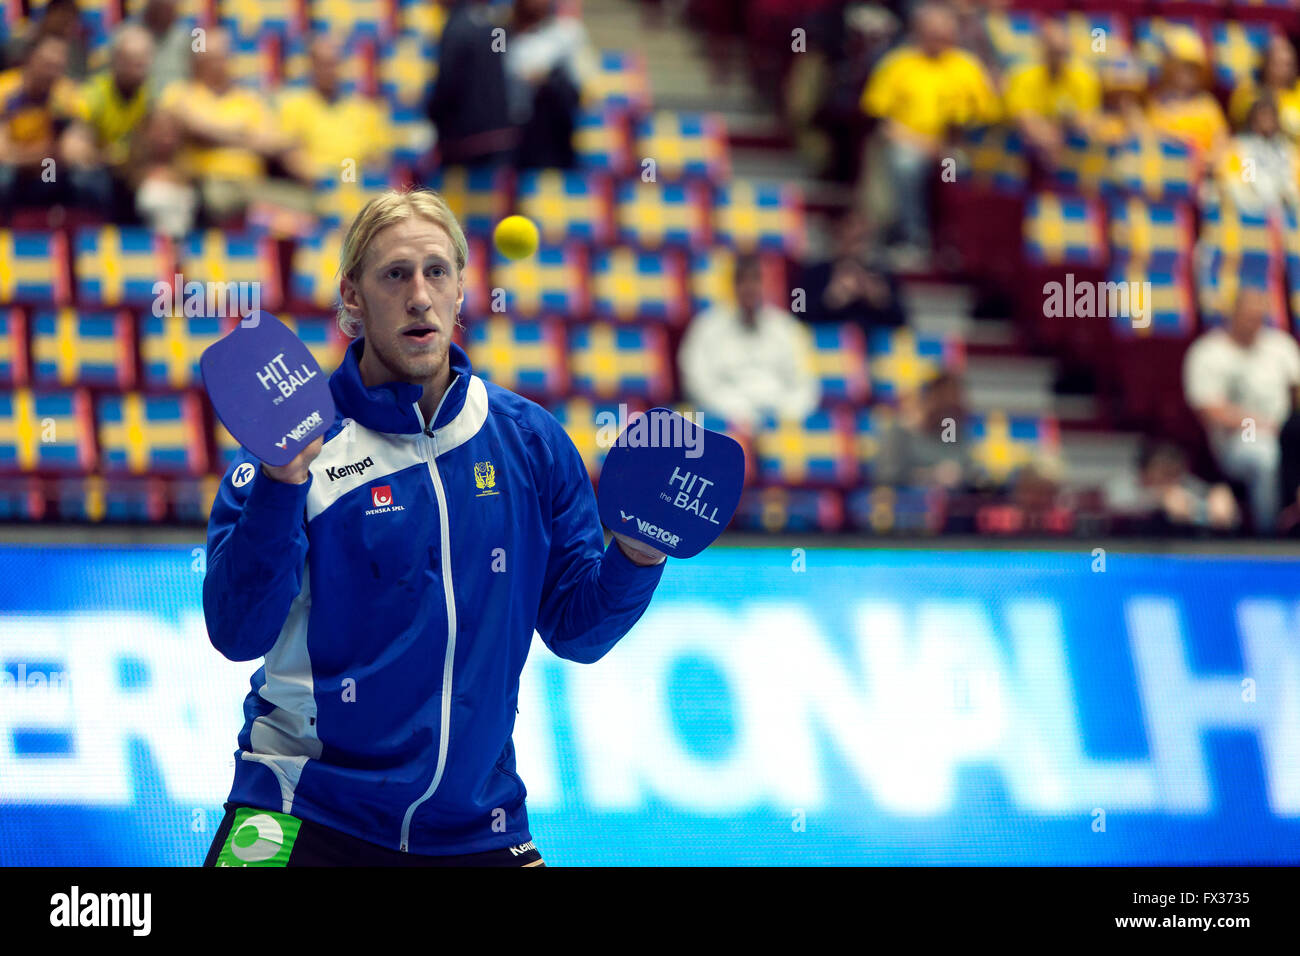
384 210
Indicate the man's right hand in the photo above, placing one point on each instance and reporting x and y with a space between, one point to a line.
296 472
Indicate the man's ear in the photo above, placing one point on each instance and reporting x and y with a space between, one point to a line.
350 296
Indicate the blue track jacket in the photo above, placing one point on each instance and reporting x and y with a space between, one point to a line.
393 599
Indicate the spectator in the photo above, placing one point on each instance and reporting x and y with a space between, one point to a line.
1241 381
824 86
747 359
1167 496
547 57
851 286
1261 167
1043 98
1124 108
165 196
230 133
61 18
921 91
1183 106
39 109
327 128
1277 76
468 105
172 38
116 104
922 447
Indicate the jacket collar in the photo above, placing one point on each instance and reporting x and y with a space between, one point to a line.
392 406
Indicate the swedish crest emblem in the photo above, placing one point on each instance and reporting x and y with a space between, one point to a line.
485 478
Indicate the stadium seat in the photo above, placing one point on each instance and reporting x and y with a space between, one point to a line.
619 82
1014 36
122 265
684 146
71 347
171 346
593 426
997 158
251 18
1002 444
33 268
1083 166
46 430
1160 168
161 433
552 282
243 265
630 285
712 281
112 498
339 201
602 141
525 357
613 361
479 197
1153 234
1237 249
567 205
313 278
1063 229
1236 49
790 510
653 215
817 451
902 361
839 358
753 216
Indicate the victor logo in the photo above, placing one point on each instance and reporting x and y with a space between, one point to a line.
302 428
661 535
624 515
356 468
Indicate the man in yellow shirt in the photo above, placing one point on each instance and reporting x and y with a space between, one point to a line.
329 130
43 160
920 92
1042 98
230 131
1183 106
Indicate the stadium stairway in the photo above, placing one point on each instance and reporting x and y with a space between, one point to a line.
682 77
1000 376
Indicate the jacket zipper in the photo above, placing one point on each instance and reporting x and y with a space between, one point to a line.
429 443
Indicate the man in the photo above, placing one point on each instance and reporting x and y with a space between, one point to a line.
469 104
1041 98
116 105
747 360
921 92
392 576
1241 381
328 128
172 39
39 109
851 286
230 131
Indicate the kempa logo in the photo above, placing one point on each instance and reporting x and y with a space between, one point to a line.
522 848
356 468
242 475
1092 300
103 909
302 428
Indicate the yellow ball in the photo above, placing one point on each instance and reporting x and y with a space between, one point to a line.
515 237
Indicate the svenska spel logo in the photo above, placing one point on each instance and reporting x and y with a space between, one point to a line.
382 496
